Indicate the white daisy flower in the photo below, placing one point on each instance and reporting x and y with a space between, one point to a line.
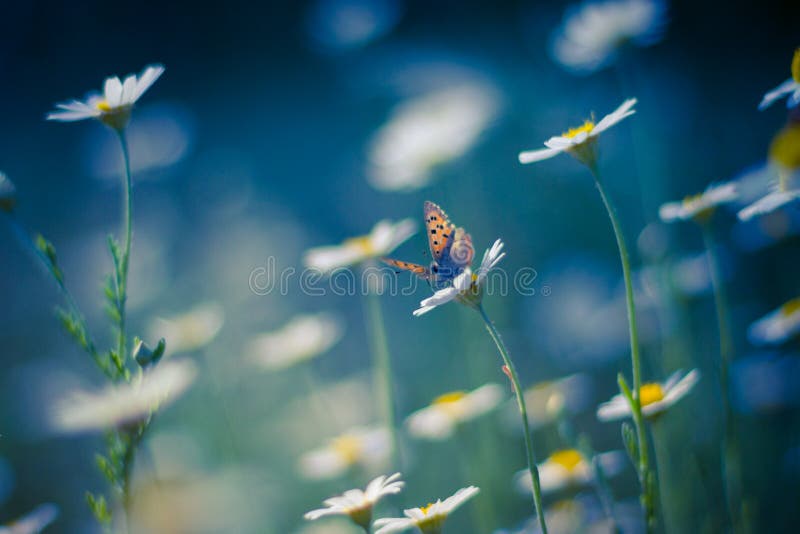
580 142
547 400
655 397
33 522
302 338
698 207
777 326
428 131
384 238
790 88
439 420
112 107
569 468
773 201
8 194
592 33
467 287
358 504
124 404
358 447
190 330
429 519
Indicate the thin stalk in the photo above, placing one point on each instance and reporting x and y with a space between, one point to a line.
523 410
135 438
382 369
636 361
730 448
122 276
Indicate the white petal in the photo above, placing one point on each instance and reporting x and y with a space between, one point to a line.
776 94
672 211
532 156
112 91
614 117
146 79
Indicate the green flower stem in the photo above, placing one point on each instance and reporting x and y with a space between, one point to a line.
523 410
135 437
648 499
731 461
122 274
382 368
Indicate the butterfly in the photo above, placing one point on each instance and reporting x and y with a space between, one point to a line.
451 249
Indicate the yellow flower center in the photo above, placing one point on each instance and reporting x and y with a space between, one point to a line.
569 459
426 508
587 127
650 393
796 65
363 244
348 447
791 307
785 147
103 106
449 398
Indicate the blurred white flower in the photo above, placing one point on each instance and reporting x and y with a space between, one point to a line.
428 131
119 405
568 468
593 32
345 24
358 504
384 237
33 522
360 446
302 338
467 287
112 107
547 400
777 326
428 519
698 207
439 420
790 88
580 142
191 330
769 203
655 397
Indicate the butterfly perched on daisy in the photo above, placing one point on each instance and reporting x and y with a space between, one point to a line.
451 249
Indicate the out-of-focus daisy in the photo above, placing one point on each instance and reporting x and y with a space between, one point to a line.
191 330
439 420
360 446
698 207
384 238
33 522
8 193
547 400
580 142
302 338
358 504
569 468
428 131
124 404
112 107
429 519
467 287
790 88
777 326
655 397
593 32
784 159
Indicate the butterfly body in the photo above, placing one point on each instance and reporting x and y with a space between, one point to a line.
450 246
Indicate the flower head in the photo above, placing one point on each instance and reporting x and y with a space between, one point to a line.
790 88
33 522
592 33
384 238
439 420
8 194
655 397
358 504
302 338
125 404
569 468
112 107
190 330
429 519
547 400
580 142
359 446
777 326
467 287
698 207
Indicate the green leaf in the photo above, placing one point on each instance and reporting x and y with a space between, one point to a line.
99 507
106 467
631 443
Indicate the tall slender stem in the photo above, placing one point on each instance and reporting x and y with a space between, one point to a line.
382 368
730 448
523 410
636 362
122 276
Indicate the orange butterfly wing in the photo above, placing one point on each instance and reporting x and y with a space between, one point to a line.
439 229
414 268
